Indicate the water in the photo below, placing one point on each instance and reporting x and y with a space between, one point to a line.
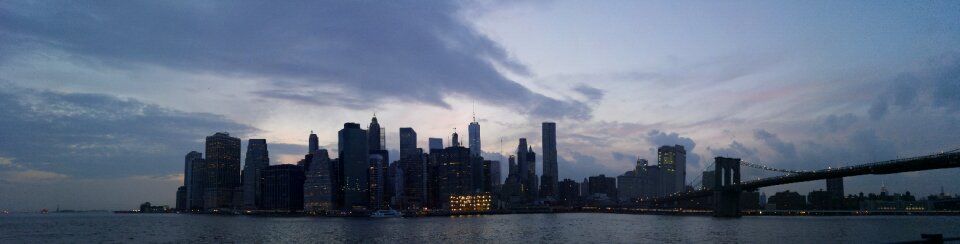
552 228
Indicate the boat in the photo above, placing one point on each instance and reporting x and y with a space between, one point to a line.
389 213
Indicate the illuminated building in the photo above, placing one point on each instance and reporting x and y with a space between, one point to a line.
222 171
672 161
469 203
318 188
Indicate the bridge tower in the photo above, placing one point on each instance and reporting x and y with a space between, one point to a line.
726 191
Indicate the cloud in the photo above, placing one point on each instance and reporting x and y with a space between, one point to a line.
409 51
96 135
835 123
933 87
621 156
735 150
577 165
592 94
30 177
786 150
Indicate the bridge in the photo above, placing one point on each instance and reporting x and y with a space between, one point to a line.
728 185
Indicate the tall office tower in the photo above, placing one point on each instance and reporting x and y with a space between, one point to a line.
314 143
522 160
375 137
495 177
474 132
393 184
258 157
486 174
436 143
414 167
548 185
193 178
454 140
512 168
454 174
376 181
318 188
354 162
672 161
408 142
282 187
223 171
532 179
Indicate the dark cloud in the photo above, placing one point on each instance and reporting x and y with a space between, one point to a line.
621 156
576 165
934 87
94 135
342 53
786 150
835 123
735 150
592 93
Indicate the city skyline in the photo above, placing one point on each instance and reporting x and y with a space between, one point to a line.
100 103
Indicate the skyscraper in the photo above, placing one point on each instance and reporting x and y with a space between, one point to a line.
455 140
354 164
193 178
455 174
376 180
222 171
550 172
318 187
414 167
408 142
258 157
474 133
314 143
436 143
524 170
672 161
374 136
282 187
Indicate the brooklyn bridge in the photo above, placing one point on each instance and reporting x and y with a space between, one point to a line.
728 186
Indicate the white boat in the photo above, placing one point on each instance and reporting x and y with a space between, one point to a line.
390 213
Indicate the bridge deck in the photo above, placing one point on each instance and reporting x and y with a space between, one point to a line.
934 161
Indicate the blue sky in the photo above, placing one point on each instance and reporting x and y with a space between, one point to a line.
102 99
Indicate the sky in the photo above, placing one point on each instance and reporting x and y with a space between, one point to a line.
101 100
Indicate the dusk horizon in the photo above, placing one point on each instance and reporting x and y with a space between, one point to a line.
104 101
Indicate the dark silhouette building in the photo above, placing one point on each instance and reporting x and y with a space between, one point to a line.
282 187
258 157
435 143
568 192
319 187
314 143
455 175
602 185
548 184
193 178
787 200
222 171
474 132
354 164
182 198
